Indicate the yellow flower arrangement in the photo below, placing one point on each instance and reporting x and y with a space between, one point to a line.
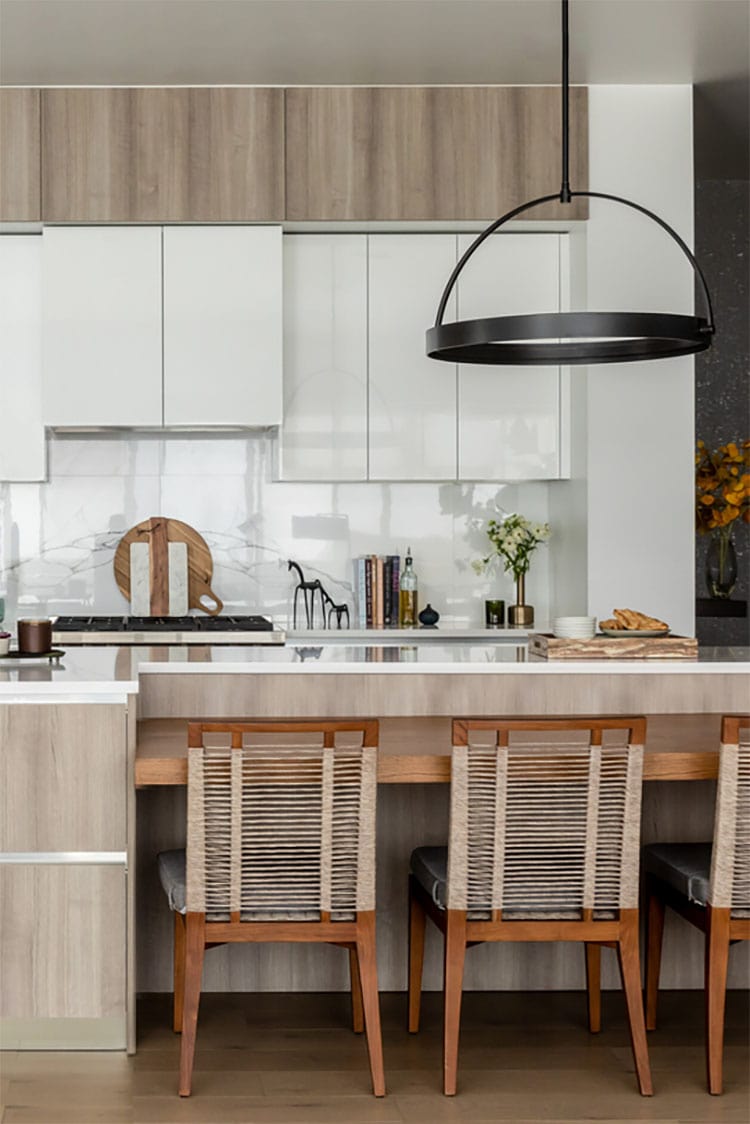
722 485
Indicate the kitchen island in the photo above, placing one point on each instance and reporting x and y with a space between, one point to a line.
93 759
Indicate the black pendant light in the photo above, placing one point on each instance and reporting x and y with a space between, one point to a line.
569 337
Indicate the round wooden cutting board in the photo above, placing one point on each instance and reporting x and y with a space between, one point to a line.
200 562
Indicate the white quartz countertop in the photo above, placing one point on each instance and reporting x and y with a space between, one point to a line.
112 673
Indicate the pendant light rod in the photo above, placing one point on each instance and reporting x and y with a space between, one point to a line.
565 194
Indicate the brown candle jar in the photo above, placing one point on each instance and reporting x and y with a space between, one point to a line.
34 636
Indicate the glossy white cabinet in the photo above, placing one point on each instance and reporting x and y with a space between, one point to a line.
222 325
324 432
102 326
356 308
22 444
152 326
509 418
412 399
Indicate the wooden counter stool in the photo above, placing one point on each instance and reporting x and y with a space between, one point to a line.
280 847
709 885
543 846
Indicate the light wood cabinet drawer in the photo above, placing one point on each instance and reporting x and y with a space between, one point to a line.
62 931
63 777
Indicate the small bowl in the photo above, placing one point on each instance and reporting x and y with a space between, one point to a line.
574 628
4 643
586 622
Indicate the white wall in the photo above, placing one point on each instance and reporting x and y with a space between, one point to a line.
640 415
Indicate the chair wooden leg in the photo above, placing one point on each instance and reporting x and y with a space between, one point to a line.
417 918
179 971
453 980
368 974
717 959
594 985
654 936
358 1015
630 971
195 940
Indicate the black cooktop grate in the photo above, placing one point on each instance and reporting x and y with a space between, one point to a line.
163 624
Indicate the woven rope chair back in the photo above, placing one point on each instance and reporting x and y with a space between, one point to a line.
281 820
730 860
545 817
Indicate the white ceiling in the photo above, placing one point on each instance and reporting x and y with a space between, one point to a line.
330 42
287 42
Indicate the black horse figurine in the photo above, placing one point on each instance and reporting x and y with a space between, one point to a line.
328 606
308 590
341 610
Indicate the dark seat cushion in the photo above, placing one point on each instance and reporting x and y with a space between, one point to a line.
686 867
429 865
173 878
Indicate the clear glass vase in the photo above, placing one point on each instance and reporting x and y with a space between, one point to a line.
721 563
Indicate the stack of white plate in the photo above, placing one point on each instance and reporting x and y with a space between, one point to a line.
574 628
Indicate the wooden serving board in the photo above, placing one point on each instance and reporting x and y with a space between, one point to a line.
158 532
550 647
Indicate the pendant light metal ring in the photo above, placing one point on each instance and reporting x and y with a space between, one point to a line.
570 337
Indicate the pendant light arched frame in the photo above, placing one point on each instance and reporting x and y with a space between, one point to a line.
570 337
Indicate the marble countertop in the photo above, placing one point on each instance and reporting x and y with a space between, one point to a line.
112 673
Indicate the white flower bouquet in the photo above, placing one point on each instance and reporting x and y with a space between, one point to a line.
515 539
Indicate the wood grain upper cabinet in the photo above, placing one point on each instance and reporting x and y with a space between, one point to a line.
162 155
429 153
20 156
509 417
101 326
222 325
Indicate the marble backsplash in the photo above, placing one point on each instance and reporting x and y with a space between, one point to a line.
57 539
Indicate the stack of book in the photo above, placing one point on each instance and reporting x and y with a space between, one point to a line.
376 586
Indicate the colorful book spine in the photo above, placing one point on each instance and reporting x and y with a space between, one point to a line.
361 588
368 592
387 591
380 618
376 590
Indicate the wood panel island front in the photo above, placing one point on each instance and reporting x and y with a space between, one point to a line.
92 775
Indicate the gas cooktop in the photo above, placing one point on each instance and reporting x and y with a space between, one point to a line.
166 630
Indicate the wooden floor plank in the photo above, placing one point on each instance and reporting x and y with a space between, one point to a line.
525 1058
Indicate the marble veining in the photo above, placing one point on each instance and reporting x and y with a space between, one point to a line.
58 539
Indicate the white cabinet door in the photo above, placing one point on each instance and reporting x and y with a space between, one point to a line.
102 336
22 445
222 325
324 434
509 417
412 399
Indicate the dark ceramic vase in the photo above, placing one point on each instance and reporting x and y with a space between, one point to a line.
429 617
